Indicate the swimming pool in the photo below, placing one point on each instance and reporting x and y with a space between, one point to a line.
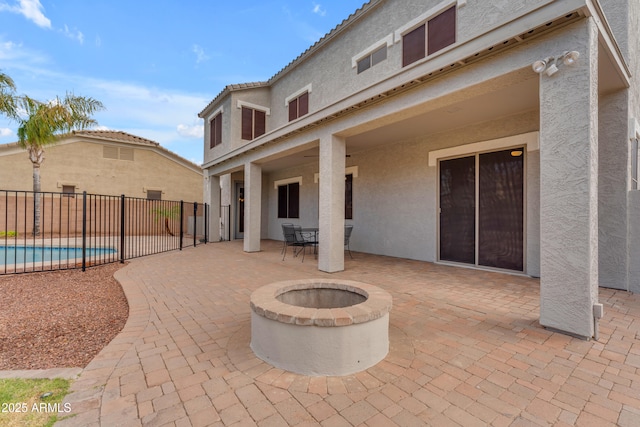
30 254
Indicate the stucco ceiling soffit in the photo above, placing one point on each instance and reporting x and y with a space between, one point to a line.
608 42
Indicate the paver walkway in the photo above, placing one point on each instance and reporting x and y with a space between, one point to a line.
466 350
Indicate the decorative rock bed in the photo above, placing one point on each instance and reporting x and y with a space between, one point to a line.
320 326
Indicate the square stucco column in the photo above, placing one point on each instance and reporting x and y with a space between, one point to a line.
331 222
569 187
252 206
214 208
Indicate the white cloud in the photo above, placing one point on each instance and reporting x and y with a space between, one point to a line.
74 35
5 132
318 9
30 9
200 55
193 131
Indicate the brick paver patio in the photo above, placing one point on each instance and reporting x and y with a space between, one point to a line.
466 350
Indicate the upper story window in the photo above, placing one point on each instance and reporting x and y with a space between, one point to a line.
253 123
373 55
298 103
436 33
299 107
215 130
254 120
375 58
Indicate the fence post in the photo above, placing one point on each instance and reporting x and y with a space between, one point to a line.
84 230
181 218
122 227
195 222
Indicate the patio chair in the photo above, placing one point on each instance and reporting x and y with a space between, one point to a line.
347 235
284 242
293 237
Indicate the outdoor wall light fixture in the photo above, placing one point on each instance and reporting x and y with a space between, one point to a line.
549 65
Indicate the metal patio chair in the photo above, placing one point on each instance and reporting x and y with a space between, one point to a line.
347 235
284 242
293 237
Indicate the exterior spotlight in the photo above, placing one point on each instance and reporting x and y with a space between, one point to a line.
551 70
549 65
539 66
570 58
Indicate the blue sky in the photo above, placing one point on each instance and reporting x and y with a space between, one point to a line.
154 64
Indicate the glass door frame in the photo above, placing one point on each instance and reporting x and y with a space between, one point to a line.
477 154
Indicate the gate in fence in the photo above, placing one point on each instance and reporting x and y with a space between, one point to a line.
55 231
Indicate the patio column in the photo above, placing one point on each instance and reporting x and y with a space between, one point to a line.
569 187
214 208
252 206
331 221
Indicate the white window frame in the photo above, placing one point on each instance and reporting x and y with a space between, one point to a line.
388 41
266 110
287 181
530 140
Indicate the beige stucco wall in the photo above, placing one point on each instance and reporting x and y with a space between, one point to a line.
82 164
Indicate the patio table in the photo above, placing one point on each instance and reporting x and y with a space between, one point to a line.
310 235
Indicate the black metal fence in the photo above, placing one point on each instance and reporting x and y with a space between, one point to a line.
56 231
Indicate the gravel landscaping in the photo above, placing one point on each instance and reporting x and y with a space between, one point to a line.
59 319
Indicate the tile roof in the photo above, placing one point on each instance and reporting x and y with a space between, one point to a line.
231 88
115 135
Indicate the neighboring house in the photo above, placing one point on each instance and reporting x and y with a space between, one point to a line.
425 126
105 162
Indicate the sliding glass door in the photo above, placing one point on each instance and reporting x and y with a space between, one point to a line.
482 209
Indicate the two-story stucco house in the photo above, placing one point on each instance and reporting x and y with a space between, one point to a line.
495 135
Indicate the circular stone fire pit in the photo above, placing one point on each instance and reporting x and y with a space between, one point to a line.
320 326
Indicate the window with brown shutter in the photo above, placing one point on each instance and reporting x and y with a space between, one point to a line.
247 123
299 106
430 37
293 109
442 31
215 131
303 104
413 45
253 123
260 123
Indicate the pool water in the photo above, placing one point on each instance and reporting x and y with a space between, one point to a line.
28 254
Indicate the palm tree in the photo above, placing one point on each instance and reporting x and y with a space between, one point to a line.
43 124
9 101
